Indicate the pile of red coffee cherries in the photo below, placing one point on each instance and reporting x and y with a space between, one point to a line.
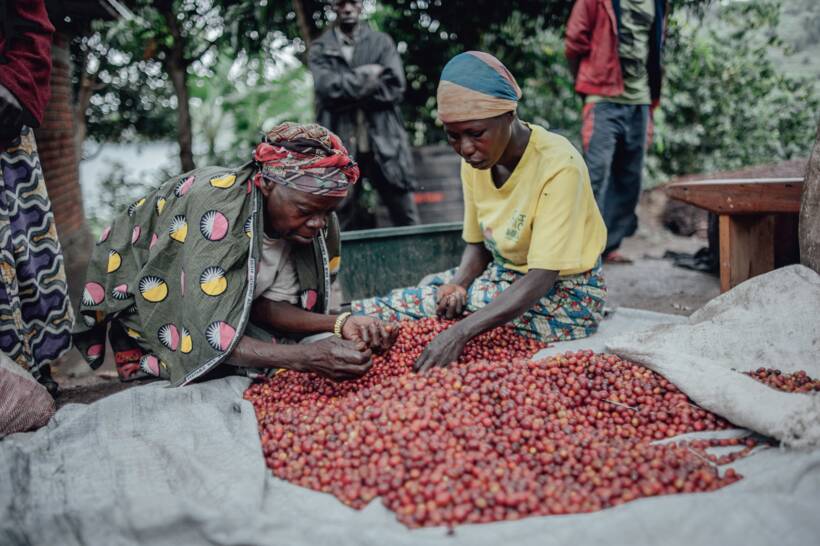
798 381
494 437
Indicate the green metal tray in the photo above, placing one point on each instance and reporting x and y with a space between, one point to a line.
375 261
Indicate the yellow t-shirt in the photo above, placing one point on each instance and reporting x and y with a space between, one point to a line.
543 217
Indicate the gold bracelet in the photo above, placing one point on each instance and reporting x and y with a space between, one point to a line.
340 321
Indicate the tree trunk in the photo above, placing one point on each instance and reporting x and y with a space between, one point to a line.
177 67
809 227
304 17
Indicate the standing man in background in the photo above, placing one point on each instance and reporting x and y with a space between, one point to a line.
614 49
359 82
35 315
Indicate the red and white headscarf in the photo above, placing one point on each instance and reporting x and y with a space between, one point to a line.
307 158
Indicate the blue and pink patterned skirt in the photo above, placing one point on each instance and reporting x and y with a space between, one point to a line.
572 309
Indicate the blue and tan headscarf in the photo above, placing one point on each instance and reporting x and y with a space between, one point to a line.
475 85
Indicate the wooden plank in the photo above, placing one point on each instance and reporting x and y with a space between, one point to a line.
746 248
724 231
741 196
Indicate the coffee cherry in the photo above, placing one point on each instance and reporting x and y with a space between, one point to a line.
798 381
496 436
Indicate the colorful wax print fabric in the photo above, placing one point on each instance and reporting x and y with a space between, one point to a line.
35 313
572 309
172 279
307 158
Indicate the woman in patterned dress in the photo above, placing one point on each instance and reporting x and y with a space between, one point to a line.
533 231
219 265
35 313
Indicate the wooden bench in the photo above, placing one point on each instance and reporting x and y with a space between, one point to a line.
758 222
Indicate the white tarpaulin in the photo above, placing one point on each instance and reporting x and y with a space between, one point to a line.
152 465
770 321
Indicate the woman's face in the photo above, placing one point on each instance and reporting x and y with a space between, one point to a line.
294 215
481 142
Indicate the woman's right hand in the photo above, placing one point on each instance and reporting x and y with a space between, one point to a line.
451 299
337 359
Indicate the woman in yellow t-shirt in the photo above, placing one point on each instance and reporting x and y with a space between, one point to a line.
533 230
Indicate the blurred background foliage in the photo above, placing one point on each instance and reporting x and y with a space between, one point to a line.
741 78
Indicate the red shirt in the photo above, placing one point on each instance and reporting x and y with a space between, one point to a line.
25 61
592 41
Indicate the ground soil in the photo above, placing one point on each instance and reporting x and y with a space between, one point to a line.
650 283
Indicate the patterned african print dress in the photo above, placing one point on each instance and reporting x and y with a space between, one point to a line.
35 313
572 309
171 281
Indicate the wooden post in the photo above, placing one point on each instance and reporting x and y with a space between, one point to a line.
746 247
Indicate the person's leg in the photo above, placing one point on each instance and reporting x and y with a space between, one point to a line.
625 180
600 133
571 310
412 303
400 204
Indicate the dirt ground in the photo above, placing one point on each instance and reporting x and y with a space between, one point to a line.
650 283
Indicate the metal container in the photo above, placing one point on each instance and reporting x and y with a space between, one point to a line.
375 261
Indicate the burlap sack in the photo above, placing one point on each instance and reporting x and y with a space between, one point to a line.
24 403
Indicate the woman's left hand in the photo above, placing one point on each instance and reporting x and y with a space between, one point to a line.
377 335
442 351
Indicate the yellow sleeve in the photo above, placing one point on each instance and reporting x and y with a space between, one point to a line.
472 231
558 227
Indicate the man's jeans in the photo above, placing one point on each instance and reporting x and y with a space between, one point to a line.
614 137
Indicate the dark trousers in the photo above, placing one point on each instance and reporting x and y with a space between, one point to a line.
400 203
614 138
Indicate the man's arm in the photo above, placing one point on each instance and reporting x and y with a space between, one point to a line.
392 82
27 71
339 87
578 40
474 261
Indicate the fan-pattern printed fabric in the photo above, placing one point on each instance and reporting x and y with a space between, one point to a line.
172 279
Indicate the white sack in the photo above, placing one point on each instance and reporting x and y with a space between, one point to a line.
770 321
159 466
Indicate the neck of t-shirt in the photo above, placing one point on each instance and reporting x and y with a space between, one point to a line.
517 163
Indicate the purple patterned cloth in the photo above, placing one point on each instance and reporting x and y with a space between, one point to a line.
35 313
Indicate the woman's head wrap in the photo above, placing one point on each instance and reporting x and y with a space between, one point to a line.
308 158
475 85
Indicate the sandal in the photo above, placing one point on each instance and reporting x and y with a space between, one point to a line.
615 257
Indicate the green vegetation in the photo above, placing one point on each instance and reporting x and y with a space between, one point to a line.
212 73
727 103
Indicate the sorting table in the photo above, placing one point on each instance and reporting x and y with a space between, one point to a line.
757 221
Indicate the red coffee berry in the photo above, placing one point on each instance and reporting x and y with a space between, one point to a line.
494 437
798 381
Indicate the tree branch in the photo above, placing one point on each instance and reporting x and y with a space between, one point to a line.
304 17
